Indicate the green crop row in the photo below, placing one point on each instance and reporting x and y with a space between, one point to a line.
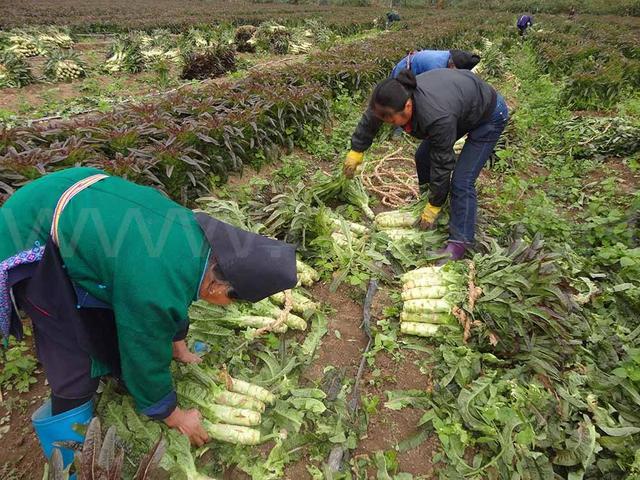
600 61
182 142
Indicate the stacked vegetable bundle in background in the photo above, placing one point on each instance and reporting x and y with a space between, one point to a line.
430 296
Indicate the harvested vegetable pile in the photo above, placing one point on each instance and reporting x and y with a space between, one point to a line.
431 296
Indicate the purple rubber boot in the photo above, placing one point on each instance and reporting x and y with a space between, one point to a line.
453 251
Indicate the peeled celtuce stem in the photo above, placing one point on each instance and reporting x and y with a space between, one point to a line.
419 329
437 318
395 219
431 292
238 400
255 391
232 433
301 304
427 305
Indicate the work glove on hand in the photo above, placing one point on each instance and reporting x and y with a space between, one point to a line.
428 217
351 163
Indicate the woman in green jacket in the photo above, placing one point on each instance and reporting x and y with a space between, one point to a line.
107 269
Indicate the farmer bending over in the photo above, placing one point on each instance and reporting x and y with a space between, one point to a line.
426 60
524 22
106 270
439 107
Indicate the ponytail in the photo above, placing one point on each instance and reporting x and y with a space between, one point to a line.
392 94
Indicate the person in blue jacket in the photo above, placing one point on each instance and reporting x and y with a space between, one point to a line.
426 60
524 22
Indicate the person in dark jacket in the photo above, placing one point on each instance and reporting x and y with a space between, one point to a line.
524 22
106 270
439 107
391 17
426 60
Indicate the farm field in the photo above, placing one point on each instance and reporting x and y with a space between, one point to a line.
530 366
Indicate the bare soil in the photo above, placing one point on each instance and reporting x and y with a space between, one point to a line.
20 455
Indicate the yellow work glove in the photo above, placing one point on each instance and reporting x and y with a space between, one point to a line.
429 216
351 163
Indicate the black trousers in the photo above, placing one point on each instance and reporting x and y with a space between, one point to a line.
66 365
67 336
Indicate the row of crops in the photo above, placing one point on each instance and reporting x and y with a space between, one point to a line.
533 343
600 60
124 16
178 143
198 53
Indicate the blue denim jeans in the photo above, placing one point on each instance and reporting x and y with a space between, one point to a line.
475 153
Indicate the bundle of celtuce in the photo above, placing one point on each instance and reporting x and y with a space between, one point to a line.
54 38
153 56
22 44
124 56
230 407
261 315
430 295
356 232
400 227
64 66
14 71
209 63
272 38
307 275
243 36
300 48
337 186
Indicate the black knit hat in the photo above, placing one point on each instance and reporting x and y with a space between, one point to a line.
464 60
256 266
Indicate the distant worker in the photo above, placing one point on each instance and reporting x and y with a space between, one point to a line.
439 107
392 17
524 22
572 12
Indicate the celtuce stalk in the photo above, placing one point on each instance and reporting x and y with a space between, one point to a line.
269 309
301 304
216 380
352 226
255 391
254 321
238 400
421 273
232 433
294 321
419 329
234 416
427 305
395 220
307 275
403 234
437 318
431 292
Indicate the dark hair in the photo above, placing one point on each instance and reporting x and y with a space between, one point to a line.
464 60
392 94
